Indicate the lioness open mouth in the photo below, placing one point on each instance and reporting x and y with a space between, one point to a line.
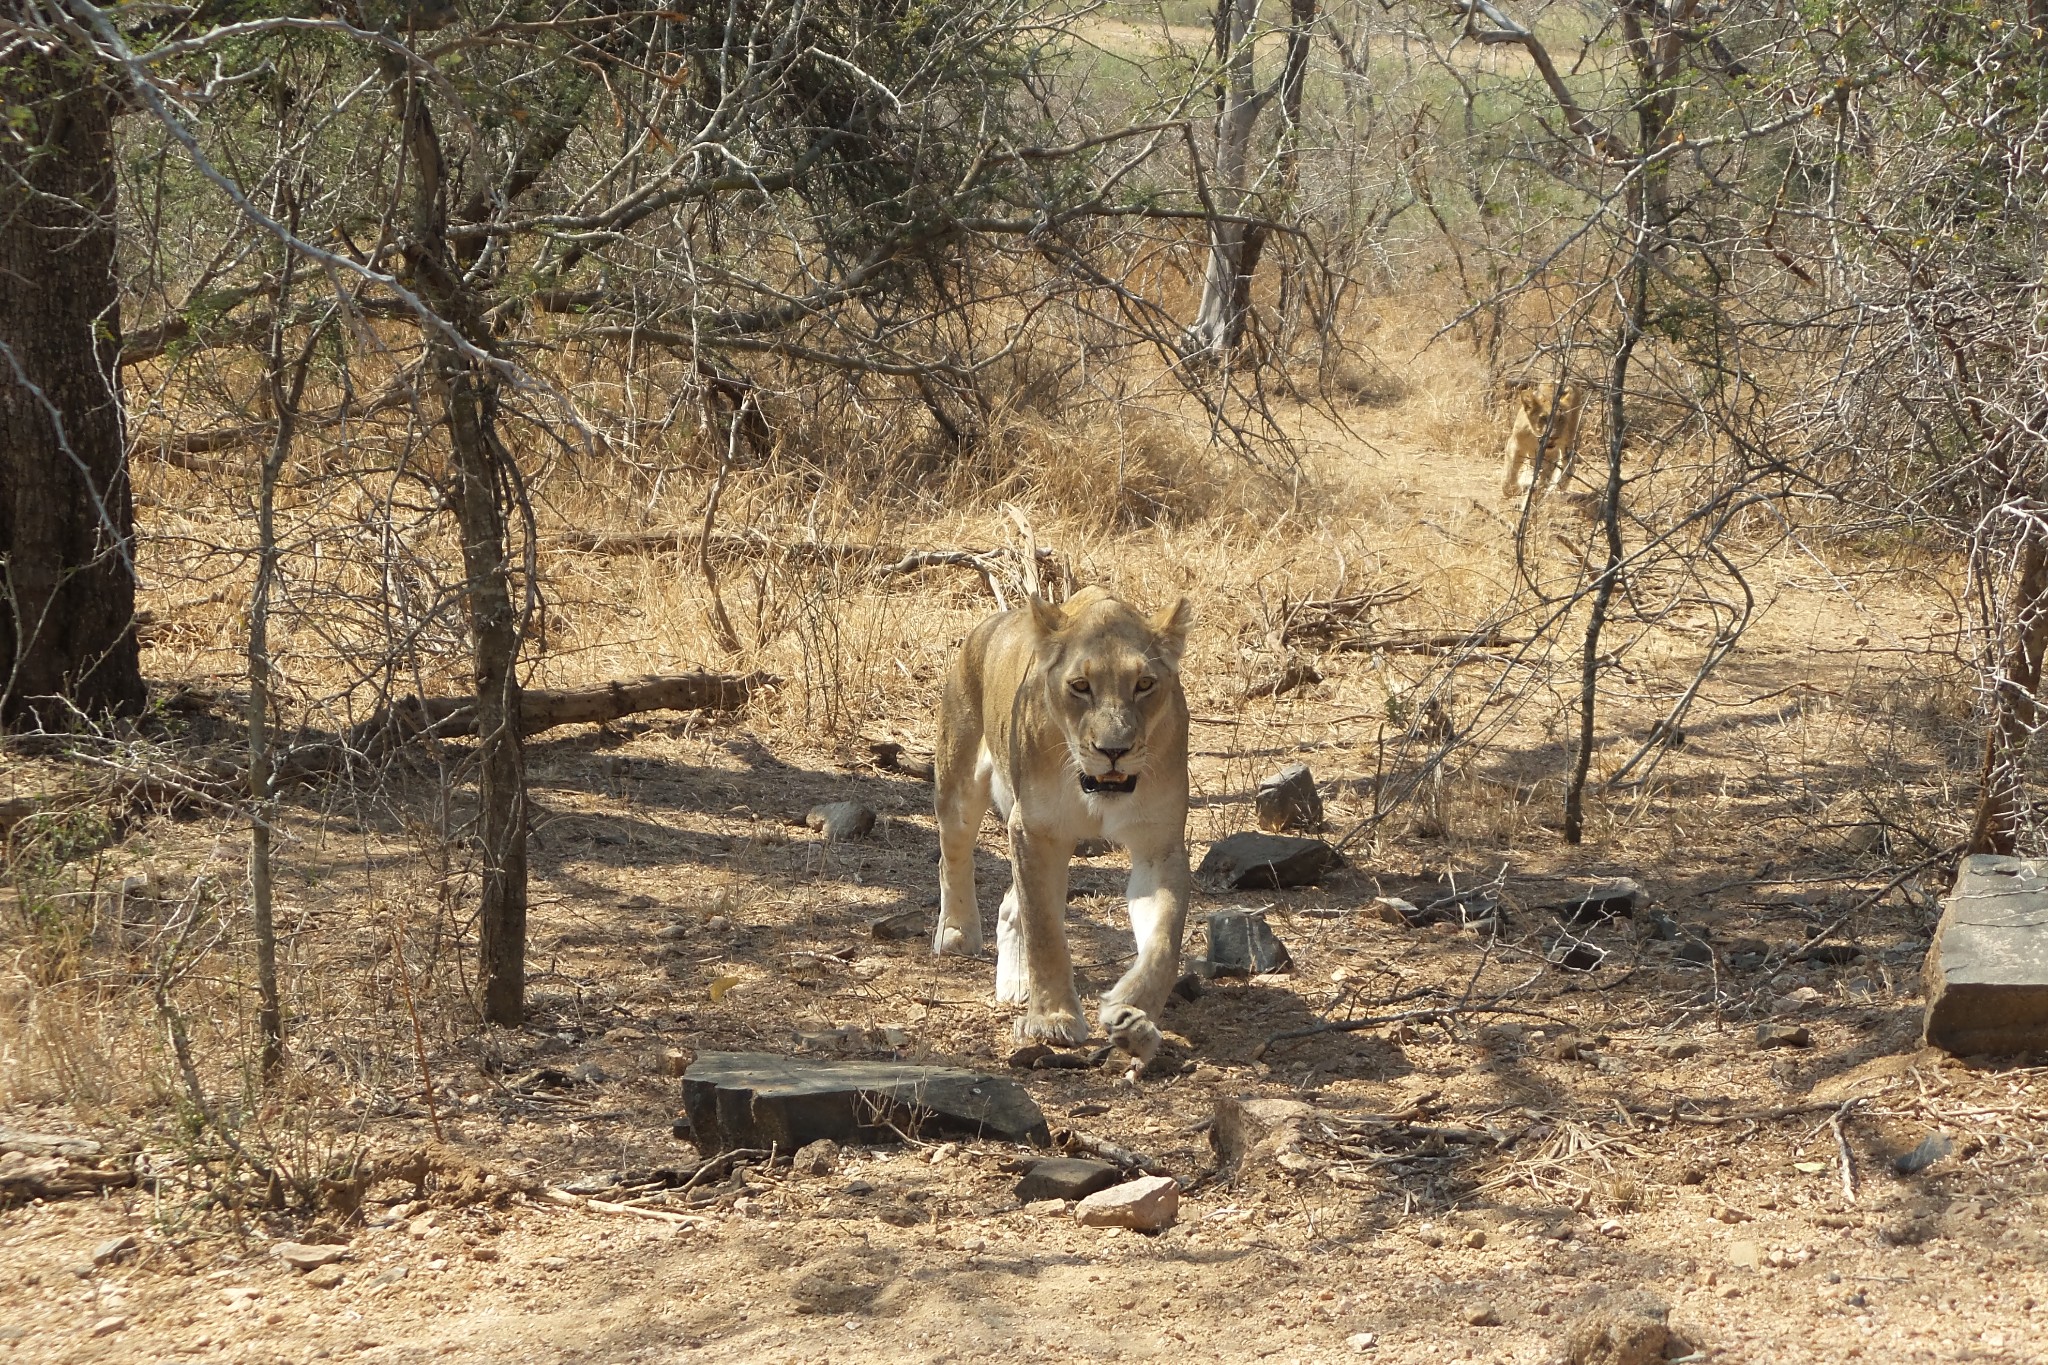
1119 783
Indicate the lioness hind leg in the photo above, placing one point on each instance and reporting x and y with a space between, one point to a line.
1013 980
1520 451
963 798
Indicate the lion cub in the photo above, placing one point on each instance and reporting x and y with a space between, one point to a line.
1541 409
1072 720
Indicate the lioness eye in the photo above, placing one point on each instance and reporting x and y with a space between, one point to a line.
1145 685
1079 685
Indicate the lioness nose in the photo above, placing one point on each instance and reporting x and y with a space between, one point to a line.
1112 754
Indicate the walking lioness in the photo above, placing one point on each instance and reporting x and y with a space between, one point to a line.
1071 718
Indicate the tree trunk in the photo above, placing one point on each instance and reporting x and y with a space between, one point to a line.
484 488
1233 246
2015 701
67 563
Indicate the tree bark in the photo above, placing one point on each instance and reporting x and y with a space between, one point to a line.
67 562
2016 707
1234 247
485 482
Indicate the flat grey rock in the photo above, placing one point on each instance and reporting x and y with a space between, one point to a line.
1288 801
1987 971
1615 898
841 821
1249 861
1242 944
1065 1177
757 1099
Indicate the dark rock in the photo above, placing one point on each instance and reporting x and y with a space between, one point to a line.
1616 898
1066 1178
755 1099
1243 862
1932 1148
816 1158
841 821
590 1073
1747 954
1478 908
1094 848
1782 1035
1696 952
901 925
1987 971
1189 987
1040 1057
1577 957
1619 1329
1288 801
1241 944
1663 928
1677 1050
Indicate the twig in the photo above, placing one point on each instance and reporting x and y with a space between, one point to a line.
1842 1148
419 1041
588 1205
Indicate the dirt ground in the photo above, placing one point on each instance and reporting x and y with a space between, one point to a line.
1608 1131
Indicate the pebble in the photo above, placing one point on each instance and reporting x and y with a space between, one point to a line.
325 1277
1360 1341
114 1248
1146 1204
1747 1255
483 1253
391 1276
1475 1239
816 1158
108 1326
554 1263
302 1256
1783 1035
1483 1315
1678 1049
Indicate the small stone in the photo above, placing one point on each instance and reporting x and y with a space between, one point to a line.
1242 944
1725 1214
1244 862
1568 1047
1066 1178
718 924
324 1277
673 1061
1577 957
1289 802
1475 1239
1360 1341
1693 952
841 821
1482 1315
1932 1148
1747 1255
1782 1035
1603 901
1620 1329
554 1263
905 924
302 1256
816 1158
1678 1049
114 1249
1397 912
674 933
485 1254
1146 1204
106 1327
393 1276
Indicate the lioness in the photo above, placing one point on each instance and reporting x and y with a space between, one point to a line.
1072 719
1541 408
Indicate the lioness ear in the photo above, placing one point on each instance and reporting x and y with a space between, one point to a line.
1045 615
1171 628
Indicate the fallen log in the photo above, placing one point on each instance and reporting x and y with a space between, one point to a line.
219 783
881 561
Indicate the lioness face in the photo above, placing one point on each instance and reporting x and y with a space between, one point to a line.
1109 695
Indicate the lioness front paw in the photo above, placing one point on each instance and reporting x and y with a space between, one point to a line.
953 941
1060 1026
1131 1029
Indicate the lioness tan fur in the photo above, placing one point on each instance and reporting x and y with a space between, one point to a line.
1049 712
1541 408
